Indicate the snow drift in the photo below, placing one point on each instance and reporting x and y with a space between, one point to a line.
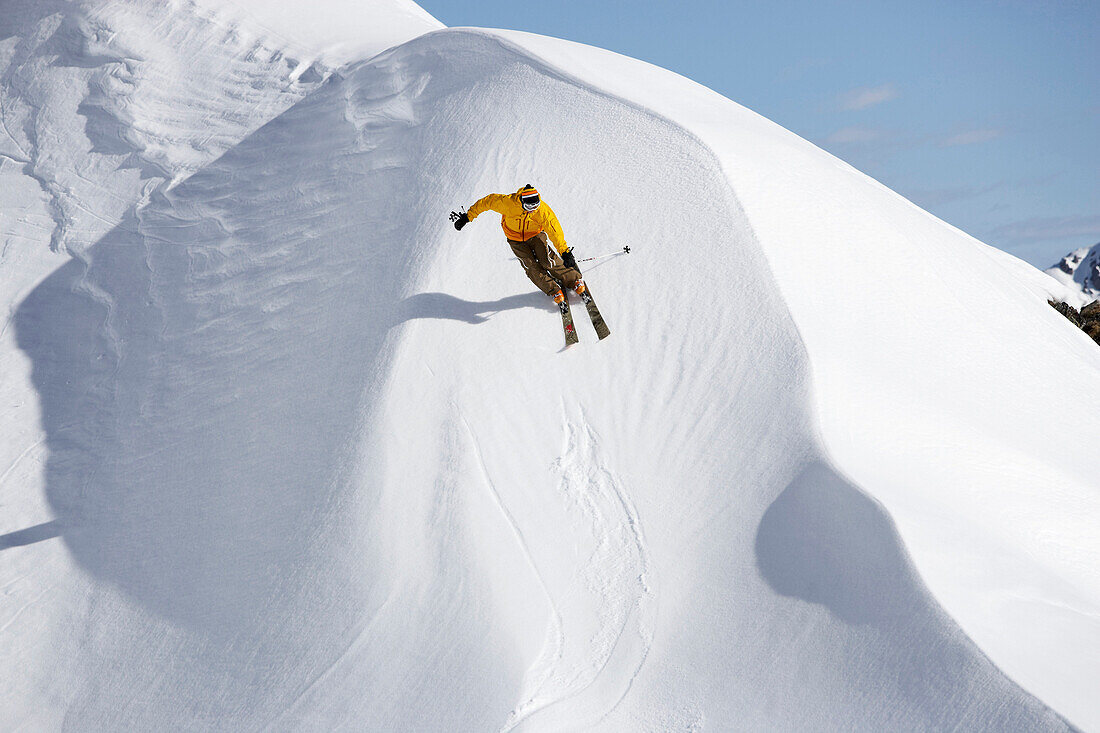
316 459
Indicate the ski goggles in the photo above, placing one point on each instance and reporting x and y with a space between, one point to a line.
530 201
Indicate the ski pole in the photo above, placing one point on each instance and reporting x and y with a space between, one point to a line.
623 251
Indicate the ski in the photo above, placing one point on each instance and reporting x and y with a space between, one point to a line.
594 313
571 336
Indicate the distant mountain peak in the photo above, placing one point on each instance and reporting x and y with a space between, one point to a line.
1080 269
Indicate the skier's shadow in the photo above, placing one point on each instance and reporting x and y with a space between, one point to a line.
448 307
37 533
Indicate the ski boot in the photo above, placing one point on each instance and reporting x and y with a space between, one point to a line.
571 336
582 290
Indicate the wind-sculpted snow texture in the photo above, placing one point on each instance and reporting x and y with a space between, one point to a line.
98 118
319 461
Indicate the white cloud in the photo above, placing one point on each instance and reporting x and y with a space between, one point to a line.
856 135
971 137
864 97
948 195
1041 229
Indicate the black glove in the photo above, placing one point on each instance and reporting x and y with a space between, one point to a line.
460 220
569 260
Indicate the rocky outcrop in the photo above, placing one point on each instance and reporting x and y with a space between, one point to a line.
1090 320
1087 319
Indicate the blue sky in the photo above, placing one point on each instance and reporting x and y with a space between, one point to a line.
984 112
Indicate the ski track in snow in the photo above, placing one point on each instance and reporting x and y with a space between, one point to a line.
19 611
622 564
614 581
361 634
554 641
20 457
582 639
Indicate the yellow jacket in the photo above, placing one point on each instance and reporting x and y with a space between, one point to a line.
520 225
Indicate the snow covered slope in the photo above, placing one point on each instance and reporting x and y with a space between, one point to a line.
310 458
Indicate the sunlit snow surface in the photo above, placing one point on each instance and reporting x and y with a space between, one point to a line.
282 449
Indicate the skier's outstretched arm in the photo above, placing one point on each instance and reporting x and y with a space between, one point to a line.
492 202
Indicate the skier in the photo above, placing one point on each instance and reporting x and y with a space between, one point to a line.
531 228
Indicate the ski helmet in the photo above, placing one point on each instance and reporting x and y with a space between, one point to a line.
529 197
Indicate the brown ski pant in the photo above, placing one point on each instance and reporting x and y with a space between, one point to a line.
543 264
